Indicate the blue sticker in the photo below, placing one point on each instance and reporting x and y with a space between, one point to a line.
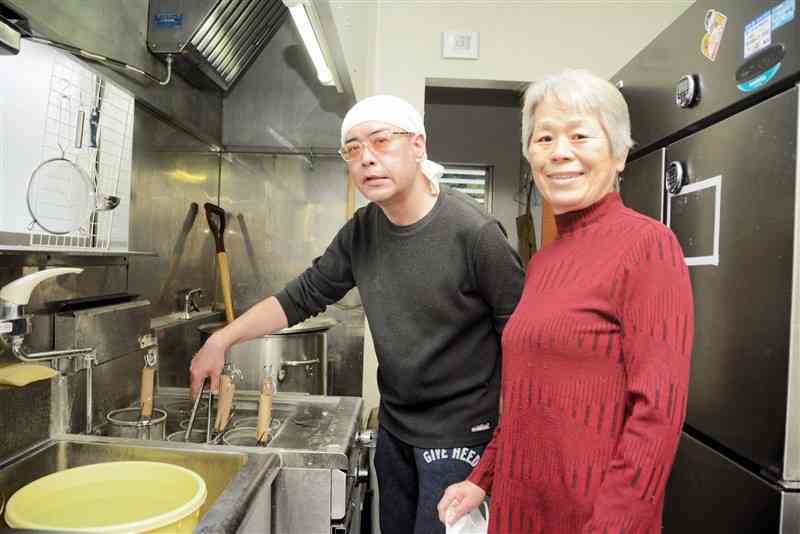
782 13
758 34
168 20
760 80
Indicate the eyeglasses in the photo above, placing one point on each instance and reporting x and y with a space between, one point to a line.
378 142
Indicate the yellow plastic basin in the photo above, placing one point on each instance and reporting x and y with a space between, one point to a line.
111 497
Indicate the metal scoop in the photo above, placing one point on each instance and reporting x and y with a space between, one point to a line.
196 405
105 202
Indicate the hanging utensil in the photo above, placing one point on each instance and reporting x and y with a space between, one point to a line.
216 222
264 408
227 388
187 434
61 197
218 231
177 250
146 390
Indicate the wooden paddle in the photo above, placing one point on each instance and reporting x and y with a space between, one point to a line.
226 387
218 231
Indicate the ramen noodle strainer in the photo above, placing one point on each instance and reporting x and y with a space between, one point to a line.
61 197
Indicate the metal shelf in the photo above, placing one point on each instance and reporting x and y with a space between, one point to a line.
6 250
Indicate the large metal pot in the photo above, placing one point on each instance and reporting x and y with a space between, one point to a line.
242 436
127 423
197 436
296 356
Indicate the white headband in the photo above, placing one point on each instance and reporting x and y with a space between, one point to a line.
397 112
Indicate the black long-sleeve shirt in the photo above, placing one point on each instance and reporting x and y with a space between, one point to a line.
437 294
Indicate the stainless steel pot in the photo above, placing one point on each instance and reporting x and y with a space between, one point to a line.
297 357
252 421
126 423
197 436
243 437
199 423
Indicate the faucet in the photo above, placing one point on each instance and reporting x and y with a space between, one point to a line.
190 303
15 324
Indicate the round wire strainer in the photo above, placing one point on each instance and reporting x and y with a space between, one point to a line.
60 196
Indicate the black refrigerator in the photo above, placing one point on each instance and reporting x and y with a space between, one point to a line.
714 110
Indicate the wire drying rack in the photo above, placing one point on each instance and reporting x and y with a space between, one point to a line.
89 122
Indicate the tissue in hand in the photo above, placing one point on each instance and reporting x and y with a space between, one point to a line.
473 522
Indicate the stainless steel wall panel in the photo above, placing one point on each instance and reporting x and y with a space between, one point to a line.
170 171
177 343
292 111
650 78
283 213
642 185
346 349
743 305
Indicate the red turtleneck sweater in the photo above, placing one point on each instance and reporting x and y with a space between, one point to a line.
595 375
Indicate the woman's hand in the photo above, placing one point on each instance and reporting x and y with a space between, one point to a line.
459 499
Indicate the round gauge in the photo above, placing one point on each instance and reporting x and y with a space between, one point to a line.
686 91
674 177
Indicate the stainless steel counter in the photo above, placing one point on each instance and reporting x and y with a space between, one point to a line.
317 431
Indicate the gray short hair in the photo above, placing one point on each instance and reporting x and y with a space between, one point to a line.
582 91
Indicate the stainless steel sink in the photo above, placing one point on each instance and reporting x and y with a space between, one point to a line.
233 477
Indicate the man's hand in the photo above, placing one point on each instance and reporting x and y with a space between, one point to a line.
207 362
459 499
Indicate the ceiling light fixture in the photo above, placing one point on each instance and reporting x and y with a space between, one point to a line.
307 22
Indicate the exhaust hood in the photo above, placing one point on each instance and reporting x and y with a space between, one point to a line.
212 42
9 39
11 28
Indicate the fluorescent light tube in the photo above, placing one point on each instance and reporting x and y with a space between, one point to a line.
9 39
303 24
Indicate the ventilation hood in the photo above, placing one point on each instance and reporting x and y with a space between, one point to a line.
212 42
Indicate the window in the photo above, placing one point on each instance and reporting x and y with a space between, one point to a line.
473 180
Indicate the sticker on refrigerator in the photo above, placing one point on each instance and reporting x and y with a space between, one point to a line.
758 34
693 215
782 13
715 26
759 69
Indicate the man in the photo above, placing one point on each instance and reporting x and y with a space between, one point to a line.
438 280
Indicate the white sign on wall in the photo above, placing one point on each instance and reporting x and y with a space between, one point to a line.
460 45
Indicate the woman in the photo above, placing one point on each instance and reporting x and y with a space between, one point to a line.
596 355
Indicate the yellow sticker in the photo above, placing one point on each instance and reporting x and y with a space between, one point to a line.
715 26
